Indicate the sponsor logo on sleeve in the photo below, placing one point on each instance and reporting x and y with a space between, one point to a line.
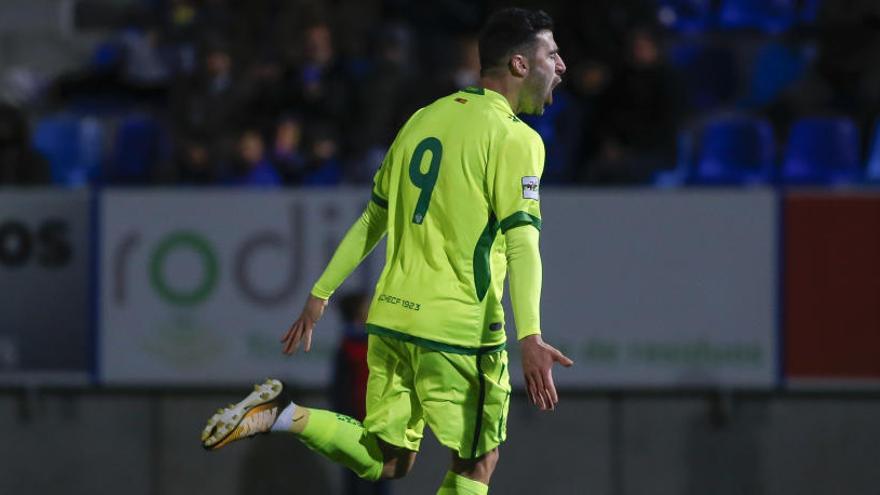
530 186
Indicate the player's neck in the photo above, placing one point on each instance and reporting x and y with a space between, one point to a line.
506 87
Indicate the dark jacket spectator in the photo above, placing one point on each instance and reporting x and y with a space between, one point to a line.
19 164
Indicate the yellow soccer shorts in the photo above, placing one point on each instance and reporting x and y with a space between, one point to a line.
463 398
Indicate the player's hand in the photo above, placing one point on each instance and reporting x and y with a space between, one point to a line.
537 365
301 330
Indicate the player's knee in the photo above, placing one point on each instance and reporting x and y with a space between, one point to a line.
398 465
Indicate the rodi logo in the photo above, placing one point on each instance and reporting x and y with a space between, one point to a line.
200 248
47 244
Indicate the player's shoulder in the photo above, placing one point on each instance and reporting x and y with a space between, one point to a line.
516 134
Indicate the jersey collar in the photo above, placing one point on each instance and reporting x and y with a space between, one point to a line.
494 97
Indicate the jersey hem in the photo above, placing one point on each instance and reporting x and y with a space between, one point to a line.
433 344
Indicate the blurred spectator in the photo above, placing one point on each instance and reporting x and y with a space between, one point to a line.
352 71
209 103
639 117
19 164
845 77
384 100
589 82
323 167
145 64
180 31
287 154
467 69
193 163
317 86
251 167
349 389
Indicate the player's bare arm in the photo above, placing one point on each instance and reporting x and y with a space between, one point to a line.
537 364
301 330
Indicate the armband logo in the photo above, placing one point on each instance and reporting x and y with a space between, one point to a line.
530 187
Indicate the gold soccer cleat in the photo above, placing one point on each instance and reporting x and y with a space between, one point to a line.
255 414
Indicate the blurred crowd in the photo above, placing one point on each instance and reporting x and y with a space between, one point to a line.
310 93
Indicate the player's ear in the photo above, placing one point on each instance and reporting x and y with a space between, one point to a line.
519 66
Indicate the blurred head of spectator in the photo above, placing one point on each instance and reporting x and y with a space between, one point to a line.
590 78
251 166
644 49
287 153
251 148
318 45
317 60
218 68
393 47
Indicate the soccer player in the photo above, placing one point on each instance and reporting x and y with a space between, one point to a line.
458 197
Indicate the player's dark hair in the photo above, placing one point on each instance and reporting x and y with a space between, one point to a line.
508 30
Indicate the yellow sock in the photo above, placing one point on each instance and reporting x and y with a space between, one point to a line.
344 440
456 484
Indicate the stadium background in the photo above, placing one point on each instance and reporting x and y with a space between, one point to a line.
174 173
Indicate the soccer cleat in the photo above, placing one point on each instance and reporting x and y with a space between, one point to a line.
255 414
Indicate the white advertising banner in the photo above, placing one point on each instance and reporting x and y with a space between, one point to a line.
661 288
641 288
197 287
45 336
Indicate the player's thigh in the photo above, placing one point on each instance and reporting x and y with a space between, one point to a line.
393 411
465 399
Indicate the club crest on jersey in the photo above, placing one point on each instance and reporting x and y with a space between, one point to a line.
530 185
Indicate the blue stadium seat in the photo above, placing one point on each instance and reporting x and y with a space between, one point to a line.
772 16
140 145
685 15
73 147
735 150
678 176
822 150
709 73
872 168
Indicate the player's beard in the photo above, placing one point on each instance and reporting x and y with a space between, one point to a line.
541 95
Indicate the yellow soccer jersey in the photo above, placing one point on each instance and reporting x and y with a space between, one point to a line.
461 172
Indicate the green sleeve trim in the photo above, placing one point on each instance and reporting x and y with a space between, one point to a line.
481 263
432 344
379 201
518 219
